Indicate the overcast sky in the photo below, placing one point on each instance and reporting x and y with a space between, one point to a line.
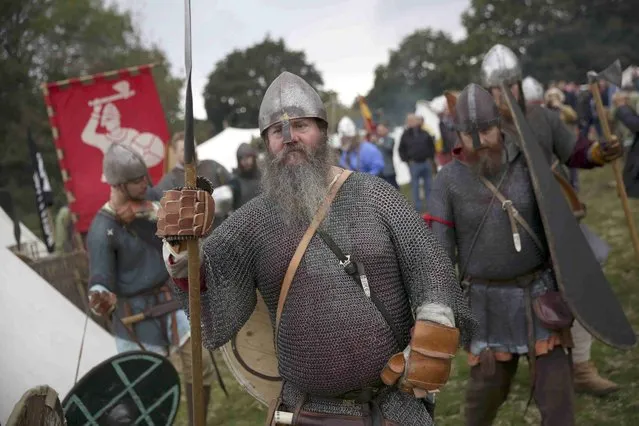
344 39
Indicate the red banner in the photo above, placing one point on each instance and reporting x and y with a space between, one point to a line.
89 114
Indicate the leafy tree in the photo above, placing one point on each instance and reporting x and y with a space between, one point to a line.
49 40
557 39
422 67
237 85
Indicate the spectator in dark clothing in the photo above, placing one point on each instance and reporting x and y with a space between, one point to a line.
246 178
570 93
417 148
584 112
626 115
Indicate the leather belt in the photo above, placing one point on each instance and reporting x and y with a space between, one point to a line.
520 281
362 395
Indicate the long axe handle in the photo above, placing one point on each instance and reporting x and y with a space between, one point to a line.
621 189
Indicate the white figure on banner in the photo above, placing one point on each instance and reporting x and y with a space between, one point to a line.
106 114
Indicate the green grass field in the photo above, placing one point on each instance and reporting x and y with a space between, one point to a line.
606 217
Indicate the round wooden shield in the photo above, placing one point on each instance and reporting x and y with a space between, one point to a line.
130 388
38 406
251 356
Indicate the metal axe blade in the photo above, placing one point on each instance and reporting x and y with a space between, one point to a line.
612 74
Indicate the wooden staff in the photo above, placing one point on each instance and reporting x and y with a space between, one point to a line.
603 120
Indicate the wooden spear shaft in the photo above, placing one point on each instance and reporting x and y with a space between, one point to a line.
193 252
621 189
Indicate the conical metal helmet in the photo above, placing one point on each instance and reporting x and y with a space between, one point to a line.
475 111
287 98
122 164
500 65
533 90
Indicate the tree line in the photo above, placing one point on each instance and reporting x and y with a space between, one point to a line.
50 40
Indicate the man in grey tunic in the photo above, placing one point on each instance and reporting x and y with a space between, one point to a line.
504 267
338 332
127 273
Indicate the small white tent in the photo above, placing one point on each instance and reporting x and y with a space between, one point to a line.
223 146
7 238
41 330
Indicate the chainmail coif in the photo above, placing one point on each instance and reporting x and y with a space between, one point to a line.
332 338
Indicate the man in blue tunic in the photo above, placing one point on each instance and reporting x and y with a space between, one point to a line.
127 272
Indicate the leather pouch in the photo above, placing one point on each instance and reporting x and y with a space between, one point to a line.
552 311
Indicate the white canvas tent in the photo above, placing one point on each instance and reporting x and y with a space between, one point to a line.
41 330
223 146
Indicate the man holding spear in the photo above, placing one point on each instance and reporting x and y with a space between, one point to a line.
363 300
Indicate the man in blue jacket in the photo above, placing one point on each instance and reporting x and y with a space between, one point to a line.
357 155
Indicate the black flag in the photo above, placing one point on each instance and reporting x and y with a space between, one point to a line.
44 196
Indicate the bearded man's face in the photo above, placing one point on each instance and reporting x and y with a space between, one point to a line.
296 175
488 159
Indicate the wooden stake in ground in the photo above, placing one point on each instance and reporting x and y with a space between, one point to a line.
190 181
612 74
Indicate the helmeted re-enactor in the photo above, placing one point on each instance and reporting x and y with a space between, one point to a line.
127 270
338 332
501 64
504 266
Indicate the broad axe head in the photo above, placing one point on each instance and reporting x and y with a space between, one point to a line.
612 74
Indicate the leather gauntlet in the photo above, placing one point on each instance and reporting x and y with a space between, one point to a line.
185 214
602 153
425 364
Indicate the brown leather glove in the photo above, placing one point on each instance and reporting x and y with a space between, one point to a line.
185 213
605 152
425 364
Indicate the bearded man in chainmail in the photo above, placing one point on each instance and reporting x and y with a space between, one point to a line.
504 268
569 151
366 328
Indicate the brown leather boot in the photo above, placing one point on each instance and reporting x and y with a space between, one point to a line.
588 380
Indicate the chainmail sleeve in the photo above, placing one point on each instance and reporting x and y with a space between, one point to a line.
427 270
228 268
440 213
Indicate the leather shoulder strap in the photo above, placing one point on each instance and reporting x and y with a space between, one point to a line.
512 212
306 239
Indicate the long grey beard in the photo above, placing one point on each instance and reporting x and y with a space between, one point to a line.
297 190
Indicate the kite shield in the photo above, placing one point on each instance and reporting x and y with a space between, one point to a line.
251 356
579 275
130 388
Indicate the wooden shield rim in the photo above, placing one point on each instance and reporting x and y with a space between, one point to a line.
249 378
